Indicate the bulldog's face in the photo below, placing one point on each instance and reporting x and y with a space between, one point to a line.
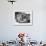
23 18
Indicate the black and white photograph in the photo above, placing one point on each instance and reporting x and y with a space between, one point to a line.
23 18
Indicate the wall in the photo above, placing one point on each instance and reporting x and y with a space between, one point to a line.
9 31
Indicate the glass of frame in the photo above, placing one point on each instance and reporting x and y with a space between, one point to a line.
23 18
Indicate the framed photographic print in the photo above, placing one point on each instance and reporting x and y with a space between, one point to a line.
23 18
